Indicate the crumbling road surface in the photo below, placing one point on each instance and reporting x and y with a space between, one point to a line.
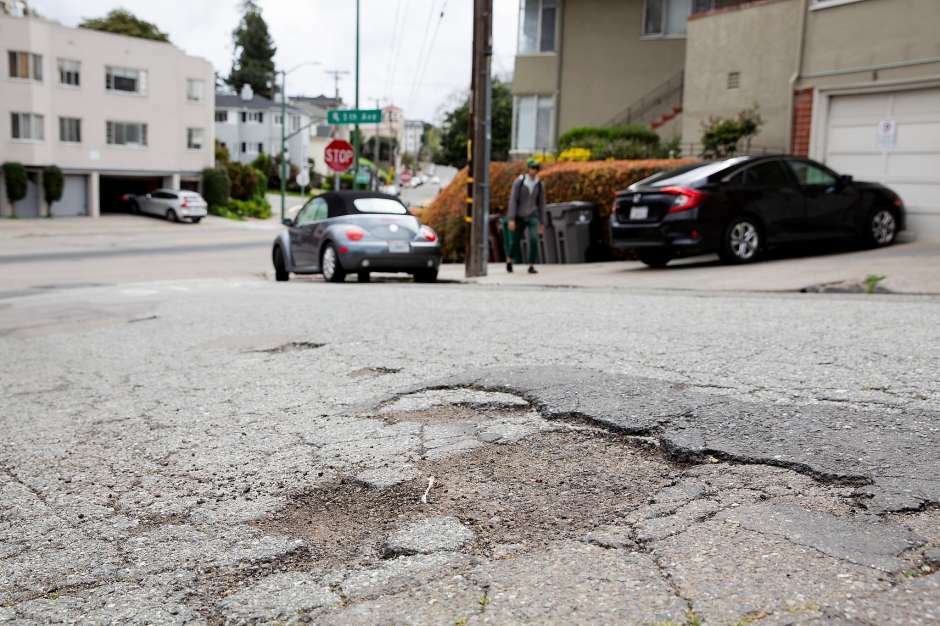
240 452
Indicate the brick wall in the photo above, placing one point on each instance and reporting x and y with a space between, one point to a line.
802 121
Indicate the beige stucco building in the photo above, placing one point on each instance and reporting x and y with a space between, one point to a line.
117 114
852 83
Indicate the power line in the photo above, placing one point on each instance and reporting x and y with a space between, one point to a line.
396 42
423 63
424 40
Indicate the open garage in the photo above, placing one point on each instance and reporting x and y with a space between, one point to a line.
115 188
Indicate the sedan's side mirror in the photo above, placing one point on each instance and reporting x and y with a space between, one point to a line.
845 180
287 221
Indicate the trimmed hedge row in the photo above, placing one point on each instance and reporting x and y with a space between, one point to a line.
592 181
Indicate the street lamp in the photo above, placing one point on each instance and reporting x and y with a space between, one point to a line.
284 74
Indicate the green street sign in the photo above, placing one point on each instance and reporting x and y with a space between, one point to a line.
354 116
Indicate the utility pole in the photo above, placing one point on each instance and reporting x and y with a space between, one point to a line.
478 202
356 137
337 74
377 150
283 144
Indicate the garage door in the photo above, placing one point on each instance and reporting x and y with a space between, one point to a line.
74 197
907 159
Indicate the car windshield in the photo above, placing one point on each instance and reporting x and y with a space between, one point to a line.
684 176
380 205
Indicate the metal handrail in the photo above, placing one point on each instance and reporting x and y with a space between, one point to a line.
668 91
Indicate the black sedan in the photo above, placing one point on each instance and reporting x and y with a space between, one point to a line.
739 206
360 232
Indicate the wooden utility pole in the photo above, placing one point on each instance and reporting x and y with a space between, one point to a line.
478 150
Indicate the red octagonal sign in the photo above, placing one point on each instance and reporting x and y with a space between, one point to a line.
338 155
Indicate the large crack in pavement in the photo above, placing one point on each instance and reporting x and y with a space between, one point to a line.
890 456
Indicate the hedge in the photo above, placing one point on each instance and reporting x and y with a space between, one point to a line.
216 186
593 181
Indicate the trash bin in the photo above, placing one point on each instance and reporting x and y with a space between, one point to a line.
497 241
571 230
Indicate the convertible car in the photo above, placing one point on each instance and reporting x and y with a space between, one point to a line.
356 232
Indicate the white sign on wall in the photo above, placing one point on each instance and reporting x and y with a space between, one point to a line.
887 134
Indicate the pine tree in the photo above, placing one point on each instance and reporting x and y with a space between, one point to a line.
254 53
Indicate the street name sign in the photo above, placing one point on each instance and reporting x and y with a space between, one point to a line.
354 116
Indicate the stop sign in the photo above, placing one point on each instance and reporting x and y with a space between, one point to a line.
338 155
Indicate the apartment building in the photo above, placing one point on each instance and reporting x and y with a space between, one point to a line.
414 131
392 125
117 114
852 83
249 125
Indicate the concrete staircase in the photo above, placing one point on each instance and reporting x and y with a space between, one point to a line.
656 108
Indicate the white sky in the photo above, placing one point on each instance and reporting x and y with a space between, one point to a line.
324 30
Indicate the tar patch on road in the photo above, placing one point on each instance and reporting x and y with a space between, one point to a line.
292 346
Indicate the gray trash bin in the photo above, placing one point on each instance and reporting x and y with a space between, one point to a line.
571 230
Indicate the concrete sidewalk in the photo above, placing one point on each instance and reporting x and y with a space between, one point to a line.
911 268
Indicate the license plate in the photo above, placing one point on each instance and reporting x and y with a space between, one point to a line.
399 246
639 212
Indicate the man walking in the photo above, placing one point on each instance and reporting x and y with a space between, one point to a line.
526 214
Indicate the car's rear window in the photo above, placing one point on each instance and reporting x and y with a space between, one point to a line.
684 176
380 205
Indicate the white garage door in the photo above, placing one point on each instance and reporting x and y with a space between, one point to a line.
906 159
74 197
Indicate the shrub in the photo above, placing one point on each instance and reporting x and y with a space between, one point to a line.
240 209
14 177
575 154
53 184
721 137
216 186
587 136
593 181
221 154
244 180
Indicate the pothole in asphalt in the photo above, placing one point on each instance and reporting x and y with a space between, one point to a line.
514 497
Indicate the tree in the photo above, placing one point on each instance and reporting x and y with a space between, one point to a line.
254 53
216 186
430 142
53 184
723 137
222 155
15 180
123 22
454 135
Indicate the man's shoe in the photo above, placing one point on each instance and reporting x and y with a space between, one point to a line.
509 266
532 270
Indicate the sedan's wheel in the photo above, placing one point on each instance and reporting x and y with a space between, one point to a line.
426 276
135 208
171 216
655 258
883 228
280 266
330 265
741 242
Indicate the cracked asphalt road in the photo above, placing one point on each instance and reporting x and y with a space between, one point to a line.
236 451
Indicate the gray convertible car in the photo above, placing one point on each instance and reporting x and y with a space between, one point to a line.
356 232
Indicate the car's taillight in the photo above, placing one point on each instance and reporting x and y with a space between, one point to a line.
685 198
184 203
355 234
427 233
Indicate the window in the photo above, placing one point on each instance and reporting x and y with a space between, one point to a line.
295 122
244 148
734 80
29 126
255 117
163 195
769 174
25 65
126 134
666 17
70 129
314 211
70 72
260 148
126 80
537 26
195 89
221 116
811 174
278 119
380 205
195 138
532 123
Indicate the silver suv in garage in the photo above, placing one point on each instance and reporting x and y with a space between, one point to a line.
173 204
